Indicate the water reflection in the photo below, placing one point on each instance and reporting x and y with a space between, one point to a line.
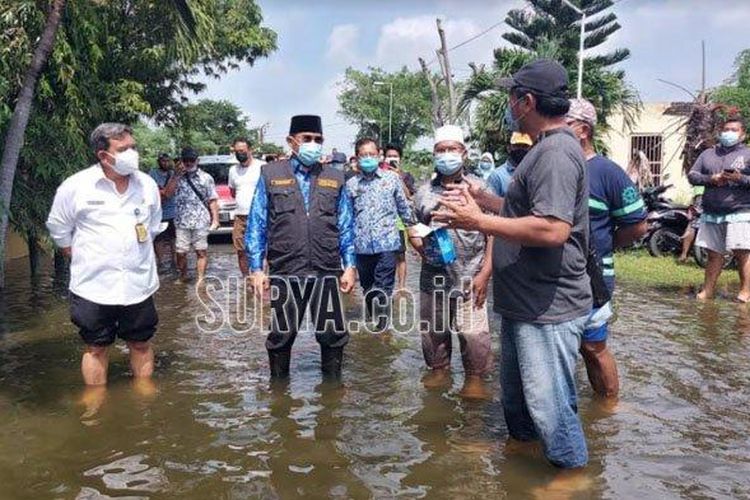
211 427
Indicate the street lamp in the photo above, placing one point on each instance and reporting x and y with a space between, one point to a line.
390 108
580 48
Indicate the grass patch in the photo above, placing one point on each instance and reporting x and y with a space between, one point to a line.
637 266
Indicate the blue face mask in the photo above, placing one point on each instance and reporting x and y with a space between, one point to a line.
729 138
485 165
368 165
309 153
448 163
510 122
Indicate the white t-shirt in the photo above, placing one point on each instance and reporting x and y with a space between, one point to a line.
243 181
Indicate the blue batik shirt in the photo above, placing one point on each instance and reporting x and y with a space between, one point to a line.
257 221
614 201
379 199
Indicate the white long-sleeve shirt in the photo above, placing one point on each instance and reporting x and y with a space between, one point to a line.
109 265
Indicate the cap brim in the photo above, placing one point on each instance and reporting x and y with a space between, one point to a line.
506 82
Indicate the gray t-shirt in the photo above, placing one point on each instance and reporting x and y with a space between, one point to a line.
546 285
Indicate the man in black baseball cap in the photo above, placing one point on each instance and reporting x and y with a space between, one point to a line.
541 288
543 76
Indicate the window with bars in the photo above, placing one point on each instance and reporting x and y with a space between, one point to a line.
652 146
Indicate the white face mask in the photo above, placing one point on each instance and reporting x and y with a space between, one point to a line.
126 162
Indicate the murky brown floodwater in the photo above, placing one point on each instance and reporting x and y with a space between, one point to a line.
215 430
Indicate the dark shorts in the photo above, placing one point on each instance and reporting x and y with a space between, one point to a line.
100 324
168 234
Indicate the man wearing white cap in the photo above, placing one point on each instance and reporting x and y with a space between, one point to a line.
453 285
617 218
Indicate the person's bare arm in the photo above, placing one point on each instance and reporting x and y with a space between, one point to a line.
532 231
627 235
213 205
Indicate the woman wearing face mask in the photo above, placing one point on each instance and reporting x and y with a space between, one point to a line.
486 165
453 280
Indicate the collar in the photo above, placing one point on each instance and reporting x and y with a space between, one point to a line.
377 173
99 175
298 167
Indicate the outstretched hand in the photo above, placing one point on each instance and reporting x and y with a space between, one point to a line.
458 209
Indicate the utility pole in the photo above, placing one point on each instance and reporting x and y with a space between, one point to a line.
262 132
445 65
581 13
703 71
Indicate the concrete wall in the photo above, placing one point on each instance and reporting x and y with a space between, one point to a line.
653 121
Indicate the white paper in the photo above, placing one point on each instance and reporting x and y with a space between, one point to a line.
421 230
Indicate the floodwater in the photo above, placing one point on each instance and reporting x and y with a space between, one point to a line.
215 429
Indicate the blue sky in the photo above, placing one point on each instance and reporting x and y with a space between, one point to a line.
317 41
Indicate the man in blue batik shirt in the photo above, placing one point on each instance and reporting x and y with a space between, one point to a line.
379 198
301 222
617 218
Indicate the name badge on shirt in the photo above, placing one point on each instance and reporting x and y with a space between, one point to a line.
282 182
141 233
328 183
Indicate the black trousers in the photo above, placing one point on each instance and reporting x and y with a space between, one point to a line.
377 274
292 297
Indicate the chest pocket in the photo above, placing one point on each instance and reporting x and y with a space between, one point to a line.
328 200
282 200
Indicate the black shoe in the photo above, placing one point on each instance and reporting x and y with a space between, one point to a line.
279 362
331 360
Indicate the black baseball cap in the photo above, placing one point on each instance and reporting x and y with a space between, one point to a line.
164 156
545 76
189 154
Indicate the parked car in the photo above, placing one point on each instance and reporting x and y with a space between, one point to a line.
218 167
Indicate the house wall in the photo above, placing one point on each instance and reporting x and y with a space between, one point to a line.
653 121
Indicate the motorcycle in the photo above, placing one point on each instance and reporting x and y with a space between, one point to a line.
667 223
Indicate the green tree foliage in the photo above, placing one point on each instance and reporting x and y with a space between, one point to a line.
551 30
736 92
113 60
367 105
210 126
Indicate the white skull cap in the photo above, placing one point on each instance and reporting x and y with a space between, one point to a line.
449 133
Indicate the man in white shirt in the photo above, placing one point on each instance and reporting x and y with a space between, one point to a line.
105 218
242 181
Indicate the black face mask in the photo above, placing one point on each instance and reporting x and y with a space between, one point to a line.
241 157
517 155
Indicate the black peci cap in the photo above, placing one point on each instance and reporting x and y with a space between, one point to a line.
545 76
306 123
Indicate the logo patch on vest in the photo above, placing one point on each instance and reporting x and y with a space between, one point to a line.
328 183
282 182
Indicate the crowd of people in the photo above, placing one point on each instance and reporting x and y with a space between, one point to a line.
541 228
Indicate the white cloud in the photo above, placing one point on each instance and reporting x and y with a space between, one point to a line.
342 44
405 39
